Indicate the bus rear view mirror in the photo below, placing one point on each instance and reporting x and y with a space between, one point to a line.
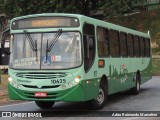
2 42
5 52
5 39
5 36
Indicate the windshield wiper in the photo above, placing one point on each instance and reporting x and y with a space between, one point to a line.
36 50
47 51
31 42
52 43
54 40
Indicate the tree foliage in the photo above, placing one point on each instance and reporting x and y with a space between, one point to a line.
13 8
117 7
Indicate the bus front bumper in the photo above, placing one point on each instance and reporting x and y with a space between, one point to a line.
75 93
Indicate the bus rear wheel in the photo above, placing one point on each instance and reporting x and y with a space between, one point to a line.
100 100
137 88
45 104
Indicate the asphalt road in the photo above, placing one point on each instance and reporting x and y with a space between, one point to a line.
147 100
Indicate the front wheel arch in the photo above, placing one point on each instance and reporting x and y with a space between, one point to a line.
104 81
101 99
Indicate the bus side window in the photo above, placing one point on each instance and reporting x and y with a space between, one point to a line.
103 42
114 43
89 45
136 46
130 45
147 48
142 47
123 44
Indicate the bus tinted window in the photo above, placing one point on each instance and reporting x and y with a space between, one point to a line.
114 43
142 46
147 47
136 46
103 42
123 44
130 45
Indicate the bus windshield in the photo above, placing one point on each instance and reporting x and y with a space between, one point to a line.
65 54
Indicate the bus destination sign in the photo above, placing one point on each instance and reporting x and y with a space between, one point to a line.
45 22
42 23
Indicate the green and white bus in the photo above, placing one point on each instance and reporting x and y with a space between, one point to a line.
70 57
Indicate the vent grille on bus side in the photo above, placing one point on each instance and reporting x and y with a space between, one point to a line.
31 75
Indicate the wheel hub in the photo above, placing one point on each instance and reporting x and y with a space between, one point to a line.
138 85
100 97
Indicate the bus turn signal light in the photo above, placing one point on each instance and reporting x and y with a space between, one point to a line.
101 63
77 79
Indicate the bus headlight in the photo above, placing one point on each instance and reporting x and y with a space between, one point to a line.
19 86
10 79
63 86
14 83
77 79
70 84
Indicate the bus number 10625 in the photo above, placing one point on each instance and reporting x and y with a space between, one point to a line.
58 81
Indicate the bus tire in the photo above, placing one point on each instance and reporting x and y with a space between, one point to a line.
101 99
45 104
136 89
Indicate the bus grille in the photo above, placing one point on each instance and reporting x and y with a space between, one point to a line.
40 75
43 87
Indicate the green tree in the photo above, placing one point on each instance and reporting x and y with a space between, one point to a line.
80 7
117 7
13 8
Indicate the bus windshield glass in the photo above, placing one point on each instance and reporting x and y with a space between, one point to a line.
65 53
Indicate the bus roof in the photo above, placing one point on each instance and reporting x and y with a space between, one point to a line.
91 21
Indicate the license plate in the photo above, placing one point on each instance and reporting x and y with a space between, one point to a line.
40 94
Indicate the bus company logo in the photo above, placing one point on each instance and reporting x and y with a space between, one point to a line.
23 81
123 79
123 66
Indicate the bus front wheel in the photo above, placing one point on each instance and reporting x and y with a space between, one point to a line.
100 100
45 104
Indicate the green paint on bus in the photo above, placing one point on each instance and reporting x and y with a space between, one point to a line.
82 59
